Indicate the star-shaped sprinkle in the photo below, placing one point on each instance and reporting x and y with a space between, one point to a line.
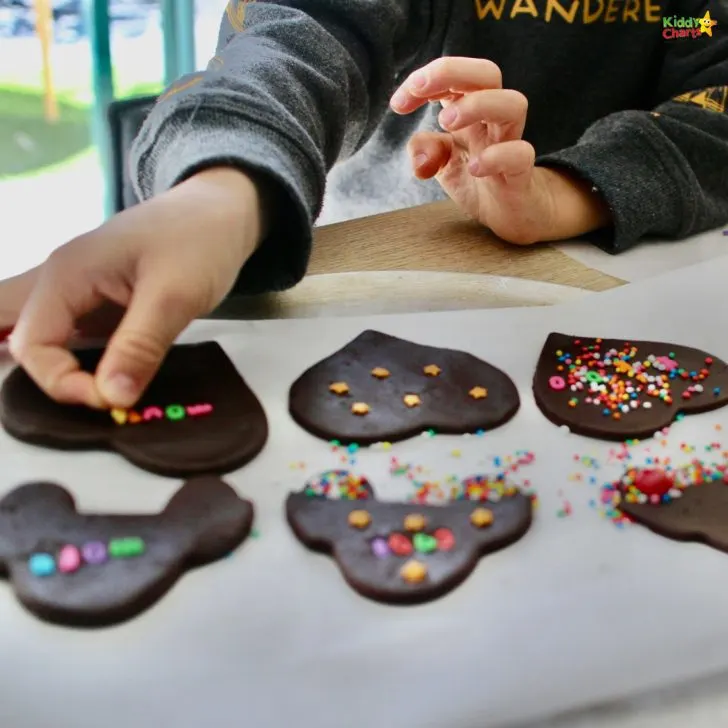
481 517
478 392
412 400
414 522
380 372
360 408
119 415
432 370
339 388
413 572
359 519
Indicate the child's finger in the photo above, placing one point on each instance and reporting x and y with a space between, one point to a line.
157 313
429 153
39 340
513 160
405 103
504 107
446 76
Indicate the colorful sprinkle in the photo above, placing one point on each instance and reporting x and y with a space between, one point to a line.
445 539
424 543
380 548
341 484
94 553
620 381
42 565
399 544
359 519
414 522
414 572
124 548
69 560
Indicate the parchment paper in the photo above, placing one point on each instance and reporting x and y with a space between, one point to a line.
576 613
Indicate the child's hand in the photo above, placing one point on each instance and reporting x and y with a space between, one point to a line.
482 162
166 262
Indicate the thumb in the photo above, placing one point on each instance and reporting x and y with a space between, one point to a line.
157 313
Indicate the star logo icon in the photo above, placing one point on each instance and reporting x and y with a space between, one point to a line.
707 24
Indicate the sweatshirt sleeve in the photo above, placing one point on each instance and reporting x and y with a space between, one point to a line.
295 86
664 172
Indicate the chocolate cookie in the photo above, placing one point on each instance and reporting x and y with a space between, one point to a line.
380 388
197 416
653 498
402 553
95 570
616 390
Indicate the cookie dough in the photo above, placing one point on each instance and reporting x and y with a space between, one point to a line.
698 513
404 553
381 388
96 570
612 389
197 416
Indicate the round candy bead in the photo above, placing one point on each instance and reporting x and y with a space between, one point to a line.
399 545
42 565
424 543
653 482
380 548
94 553
175 412
445 539
69 560
557 383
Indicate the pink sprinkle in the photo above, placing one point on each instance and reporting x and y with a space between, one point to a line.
69 560
151 413
196 410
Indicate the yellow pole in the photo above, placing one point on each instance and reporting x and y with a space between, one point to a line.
44 28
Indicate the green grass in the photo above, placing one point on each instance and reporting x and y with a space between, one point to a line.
29 144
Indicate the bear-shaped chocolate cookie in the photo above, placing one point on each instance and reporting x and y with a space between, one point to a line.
95 570
198 416
402 553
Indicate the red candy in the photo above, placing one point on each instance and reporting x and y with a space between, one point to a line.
653 482
399 545
445 539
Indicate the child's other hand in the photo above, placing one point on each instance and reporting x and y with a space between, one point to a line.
482 162
161 264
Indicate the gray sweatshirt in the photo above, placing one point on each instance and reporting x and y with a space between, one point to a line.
630 95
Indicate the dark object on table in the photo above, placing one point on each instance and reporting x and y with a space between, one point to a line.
96 570
198 416
613 389
401 553
380 388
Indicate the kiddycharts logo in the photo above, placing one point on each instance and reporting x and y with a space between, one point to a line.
674 27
